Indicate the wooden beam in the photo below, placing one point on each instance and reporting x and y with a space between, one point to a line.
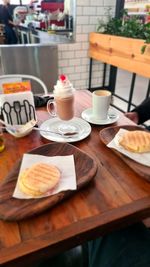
122 52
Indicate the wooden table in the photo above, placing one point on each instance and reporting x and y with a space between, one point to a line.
116 197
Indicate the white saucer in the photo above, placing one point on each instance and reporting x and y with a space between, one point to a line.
83 128
111 118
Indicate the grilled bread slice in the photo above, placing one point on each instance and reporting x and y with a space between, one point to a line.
38 179
136 141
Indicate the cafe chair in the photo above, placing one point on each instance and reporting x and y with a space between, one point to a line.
20 77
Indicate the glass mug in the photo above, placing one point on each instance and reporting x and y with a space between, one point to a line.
63 107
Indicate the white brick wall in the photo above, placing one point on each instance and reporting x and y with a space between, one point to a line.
73 58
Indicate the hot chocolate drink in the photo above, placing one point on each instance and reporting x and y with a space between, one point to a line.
65 107
64 97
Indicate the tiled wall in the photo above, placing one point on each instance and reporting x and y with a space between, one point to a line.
73 58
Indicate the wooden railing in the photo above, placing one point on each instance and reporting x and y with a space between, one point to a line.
119 52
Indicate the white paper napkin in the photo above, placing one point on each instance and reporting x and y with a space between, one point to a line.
142 158
64 163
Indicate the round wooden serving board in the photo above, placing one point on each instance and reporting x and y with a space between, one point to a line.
107 134
17 209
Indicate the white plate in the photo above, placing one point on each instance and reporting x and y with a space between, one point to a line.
111 118
83 128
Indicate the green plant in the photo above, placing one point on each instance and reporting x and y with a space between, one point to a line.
127 26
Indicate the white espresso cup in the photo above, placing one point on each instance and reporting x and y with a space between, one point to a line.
101 100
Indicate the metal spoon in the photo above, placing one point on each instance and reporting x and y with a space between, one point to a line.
55 132
19 129
16 131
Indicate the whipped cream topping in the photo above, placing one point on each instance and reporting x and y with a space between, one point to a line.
64 87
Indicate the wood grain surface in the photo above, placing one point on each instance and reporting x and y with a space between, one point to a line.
108 48
17 209
109 133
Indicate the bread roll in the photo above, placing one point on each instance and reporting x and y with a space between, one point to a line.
38 179
136 141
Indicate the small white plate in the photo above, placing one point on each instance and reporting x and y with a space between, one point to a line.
111 118
83 128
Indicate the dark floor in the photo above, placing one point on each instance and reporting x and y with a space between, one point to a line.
75 257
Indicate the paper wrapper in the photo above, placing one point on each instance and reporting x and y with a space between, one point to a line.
64 163
142 158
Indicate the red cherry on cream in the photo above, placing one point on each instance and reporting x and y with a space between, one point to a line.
62 77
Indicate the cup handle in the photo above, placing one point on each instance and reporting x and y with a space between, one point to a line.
51 108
